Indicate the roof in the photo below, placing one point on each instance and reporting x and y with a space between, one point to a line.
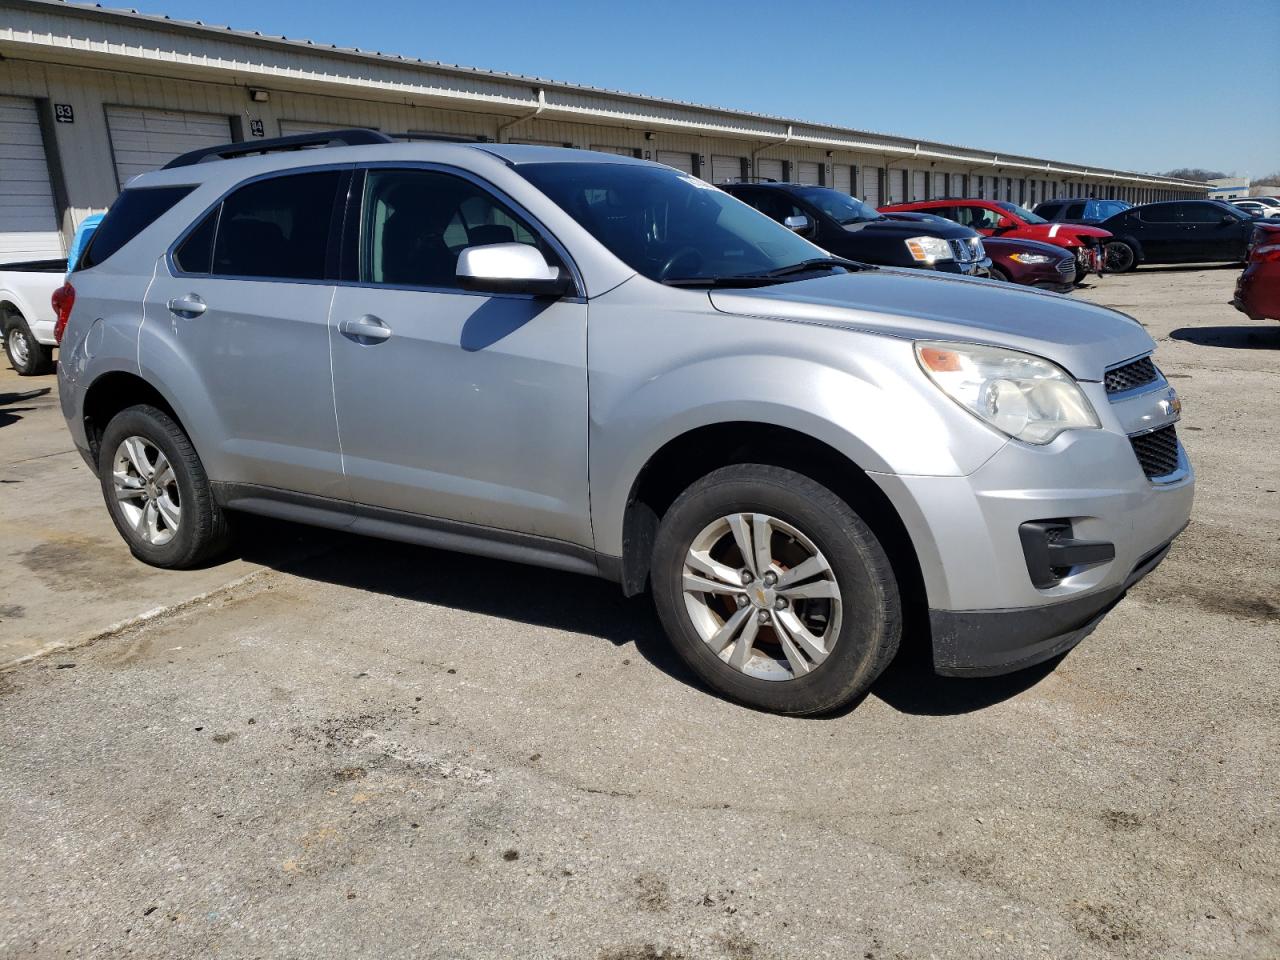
759 126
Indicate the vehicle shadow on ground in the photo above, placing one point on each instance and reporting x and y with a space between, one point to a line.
565 601
1187 267
1234 338
11 414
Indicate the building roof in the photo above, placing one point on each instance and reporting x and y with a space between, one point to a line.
568 101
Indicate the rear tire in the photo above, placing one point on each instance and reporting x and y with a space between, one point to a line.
157 492
27 355
1119 257
804 642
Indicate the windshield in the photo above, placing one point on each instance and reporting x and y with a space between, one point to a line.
1021 212
668 225
1104 209
840 207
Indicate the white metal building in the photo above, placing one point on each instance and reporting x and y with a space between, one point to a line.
90 97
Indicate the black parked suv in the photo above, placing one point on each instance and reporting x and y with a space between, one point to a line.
1178 231
847 227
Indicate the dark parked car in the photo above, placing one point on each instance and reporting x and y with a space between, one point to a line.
1028 262
1080 209
1178 231
847 227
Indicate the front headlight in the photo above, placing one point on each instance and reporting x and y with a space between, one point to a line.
1021 395
1030 257
929 249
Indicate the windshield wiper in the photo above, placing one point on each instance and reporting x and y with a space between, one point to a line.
729 280
806 265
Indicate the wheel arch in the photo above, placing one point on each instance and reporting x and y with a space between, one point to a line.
113 391
693 454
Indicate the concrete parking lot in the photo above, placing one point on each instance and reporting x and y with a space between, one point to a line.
332 747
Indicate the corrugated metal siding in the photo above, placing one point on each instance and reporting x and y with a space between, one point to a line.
28 218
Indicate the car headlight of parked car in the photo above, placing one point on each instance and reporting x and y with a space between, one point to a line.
1024 396
929 249
1029 258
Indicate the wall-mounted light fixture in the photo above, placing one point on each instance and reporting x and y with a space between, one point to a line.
259 96
650 135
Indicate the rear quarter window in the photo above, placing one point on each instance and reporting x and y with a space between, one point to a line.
134 211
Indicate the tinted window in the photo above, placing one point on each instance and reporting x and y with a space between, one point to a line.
133 211
1160 213
665 224
1204 213
1049 210
196 253
416 222
979 218
277 228
1074 211
946 213
772 203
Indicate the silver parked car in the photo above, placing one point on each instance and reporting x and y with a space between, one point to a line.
604 365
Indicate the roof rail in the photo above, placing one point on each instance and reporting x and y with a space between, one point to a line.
441 137
354 137
750 180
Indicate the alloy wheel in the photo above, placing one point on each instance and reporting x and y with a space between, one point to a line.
146 488
762 596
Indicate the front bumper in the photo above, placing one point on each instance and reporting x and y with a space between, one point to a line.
984 643
986 613
965 268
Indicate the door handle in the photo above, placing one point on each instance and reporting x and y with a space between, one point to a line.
187 307
367 327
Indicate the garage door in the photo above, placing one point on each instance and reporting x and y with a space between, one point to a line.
725 169
28 218
681 161
919 185
871 185
842 178
808 172
618 151
939 186
143 140
769 169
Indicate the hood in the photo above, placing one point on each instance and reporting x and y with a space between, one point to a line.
1007 245
1061 231
918 305
906 229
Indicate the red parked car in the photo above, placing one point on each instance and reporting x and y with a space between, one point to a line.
1258 287
997 218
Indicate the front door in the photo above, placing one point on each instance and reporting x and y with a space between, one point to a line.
1162 235
240 333
456 405
1214 233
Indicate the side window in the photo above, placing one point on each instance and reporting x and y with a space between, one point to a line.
947 213
133 211
1076 211
416 222
196 253
276 228
1050 211
1160 213
1202 213
977 218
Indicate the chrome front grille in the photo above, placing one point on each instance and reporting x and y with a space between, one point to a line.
1067 269
967 251
1132 375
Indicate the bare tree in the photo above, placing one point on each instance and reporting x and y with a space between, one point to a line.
1193 173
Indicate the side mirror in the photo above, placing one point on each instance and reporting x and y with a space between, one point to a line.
510 268
799 223
1228 218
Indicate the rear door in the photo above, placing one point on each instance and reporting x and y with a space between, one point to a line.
1161 233
244 304
467 407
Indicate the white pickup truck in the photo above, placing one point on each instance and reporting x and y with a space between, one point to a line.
26 313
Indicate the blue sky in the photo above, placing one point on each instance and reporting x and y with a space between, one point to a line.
1140 85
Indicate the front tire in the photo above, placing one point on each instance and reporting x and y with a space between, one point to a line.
774 591
156 490
1119 257
27 355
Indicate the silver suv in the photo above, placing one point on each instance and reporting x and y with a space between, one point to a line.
606 366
